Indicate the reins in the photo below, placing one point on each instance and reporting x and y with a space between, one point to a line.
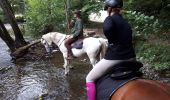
62 41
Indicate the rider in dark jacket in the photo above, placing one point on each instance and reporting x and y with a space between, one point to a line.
120 48
77 32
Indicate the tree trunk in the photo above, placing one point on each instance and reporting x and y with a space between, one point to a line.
67 10
6 37
19 40
21 51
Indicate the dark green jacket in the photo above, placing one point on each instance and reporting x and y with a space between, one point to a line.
77 30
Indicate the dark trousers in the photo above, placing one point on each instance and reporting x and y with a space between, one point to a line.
68 43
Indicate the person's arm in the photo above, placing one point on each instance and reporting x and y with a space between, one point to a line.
79 28
109 29
72 23
108 25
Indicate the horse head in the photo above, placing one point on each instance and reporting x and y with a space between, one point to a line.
46 40
51 37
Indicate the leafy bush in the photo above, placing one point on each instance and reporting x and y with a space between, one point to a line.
141 23
156 54
19 17
44 14
3 19
159 9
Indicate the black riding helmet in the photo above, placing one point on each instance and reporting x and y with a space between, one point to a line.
113 4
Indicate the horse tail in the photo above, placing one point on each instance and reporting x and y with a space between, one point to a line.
104 46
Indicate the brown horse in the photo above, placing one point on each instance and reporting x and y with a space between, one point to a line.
116 86
141 89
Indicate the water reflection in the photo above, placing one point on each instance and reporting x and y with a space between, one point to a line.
43 79
4 55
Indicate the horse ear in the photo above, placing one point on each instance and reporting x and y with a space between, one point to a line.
47 38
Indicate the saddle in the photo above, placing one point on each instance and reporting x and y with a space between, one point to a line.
126 69
118 76
78 44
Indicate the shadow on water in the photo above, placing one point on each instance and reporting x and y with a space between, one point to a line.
42 79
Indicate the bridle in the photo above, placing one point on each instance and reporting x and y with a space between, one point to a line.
49 46
58 42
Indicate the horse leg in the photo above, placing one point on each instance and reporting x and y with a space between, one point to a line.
93 61
66 67
65 63
92 57
67 70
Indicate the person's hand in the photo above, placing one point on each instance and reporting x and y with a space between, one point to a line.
71 23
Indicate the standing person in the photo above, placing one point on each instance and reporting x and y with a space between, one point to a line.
120 48
77 32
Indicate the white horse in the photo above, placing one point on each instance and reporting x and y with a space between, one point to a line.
93 47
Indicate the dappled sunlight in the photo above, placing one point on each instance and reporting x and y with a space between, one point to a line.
98 17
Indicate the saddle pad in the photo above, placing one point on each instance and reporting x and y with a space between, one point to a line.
78 44
106 86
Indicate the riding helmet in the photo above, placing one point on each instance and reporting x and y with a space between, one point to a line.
113 4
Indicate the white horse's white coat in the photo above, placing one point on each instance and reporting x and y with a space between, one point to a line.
93 47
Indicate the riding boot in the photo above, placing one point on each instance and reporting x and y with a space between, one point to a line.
68 43
91 91
70 55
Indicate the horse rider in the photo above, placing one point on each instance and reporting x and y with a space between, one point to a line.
77 32
119 35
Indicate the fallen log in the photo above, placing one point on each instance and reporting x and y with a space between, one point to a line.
22 50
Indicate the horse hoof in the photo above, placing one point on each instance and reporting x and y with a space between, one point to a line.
71 67
66 73
64 66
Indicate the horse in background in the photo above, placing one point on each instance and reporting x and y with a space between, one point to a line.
94 47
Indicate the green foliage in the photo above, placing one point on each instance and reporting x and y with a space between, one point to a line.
1 15
147 18
19 17
18 9
87 7
157 55
149 7
160 9
41 14
18 6
141 23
